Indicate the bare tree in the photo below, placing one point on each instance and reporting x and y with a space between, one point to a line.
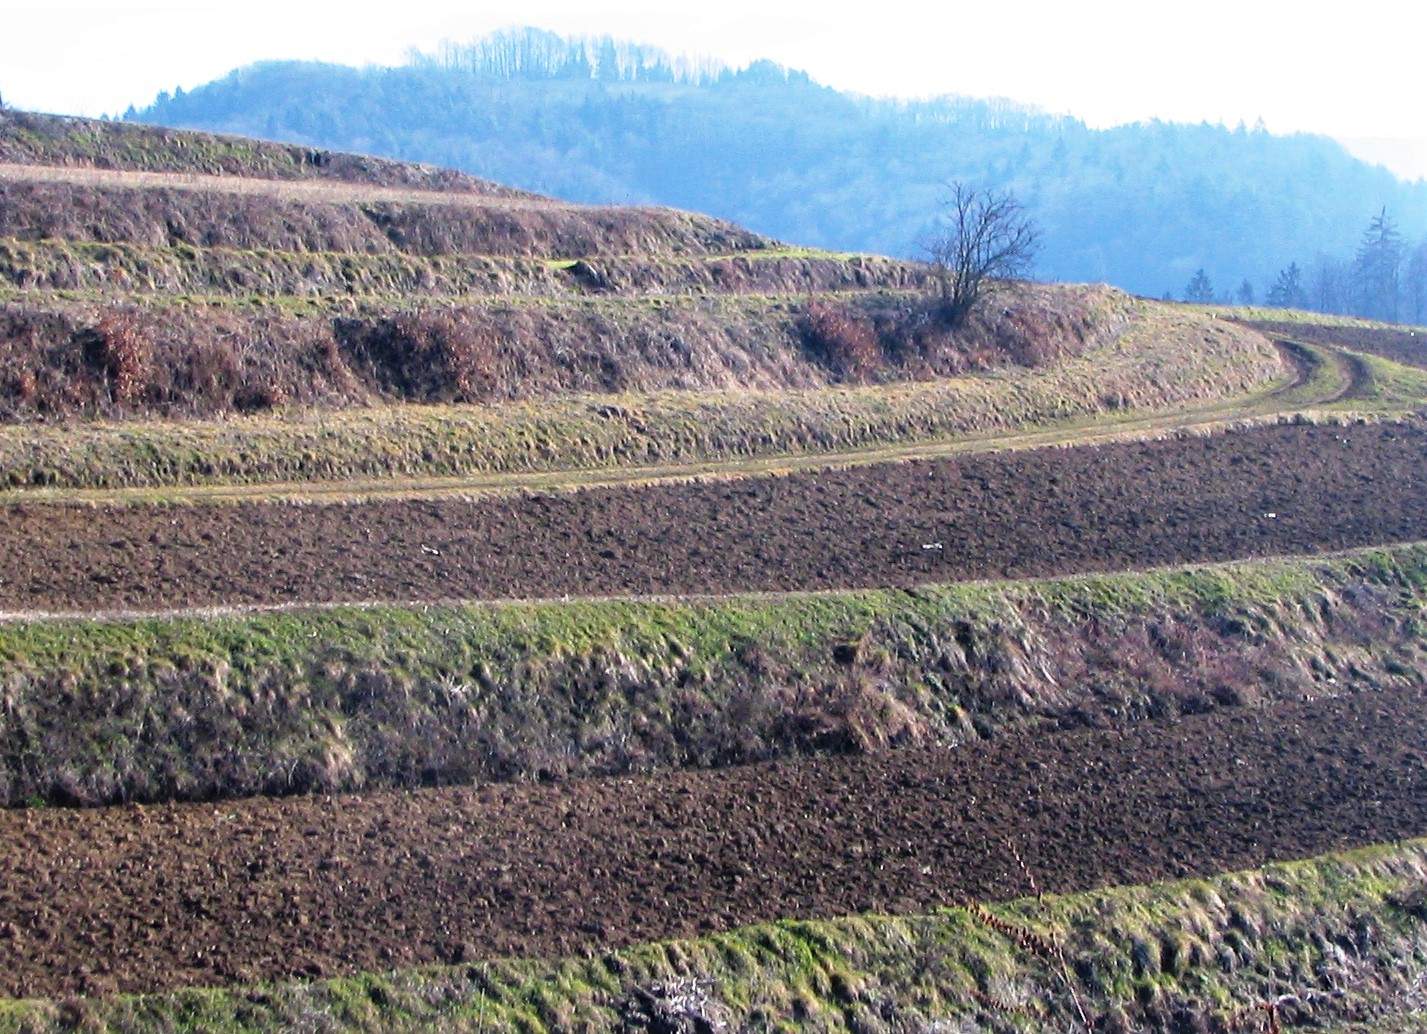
987 236
1329 285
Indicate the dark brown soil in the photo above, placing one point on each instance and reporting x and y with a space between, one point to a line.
1290 489
155 897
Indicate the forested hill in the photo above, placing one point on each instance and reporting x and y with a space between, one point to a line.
1144 207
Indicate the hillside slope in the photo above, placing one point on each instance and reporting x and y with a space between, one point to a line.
335 761
158 274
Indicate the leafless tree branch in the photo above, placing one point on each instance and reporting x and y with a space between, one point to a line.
987 236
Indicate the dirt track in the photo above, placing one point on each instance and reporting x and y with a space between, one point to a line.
156 897
1290 489
1400 344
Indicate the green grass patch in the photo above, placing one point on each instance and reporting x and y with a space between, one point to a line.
1390 386
1264 314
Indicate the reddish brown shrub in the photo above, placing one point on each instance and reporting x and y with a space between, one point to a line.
255 398
209 371
432 356
120 348
842 340
23 387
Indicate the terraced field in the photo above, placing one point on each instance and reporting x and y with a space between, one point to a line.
197 894
419 620
1276 490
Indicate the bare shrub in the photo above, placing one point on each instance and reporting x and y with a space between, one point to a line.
120 348
210 370
842 340
432 356
257 398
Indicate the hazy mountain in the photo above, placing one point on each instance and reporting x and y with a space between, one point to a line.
1143 206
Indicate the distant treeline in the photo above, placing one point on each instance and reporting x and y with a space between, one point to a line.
1143 206
1385 279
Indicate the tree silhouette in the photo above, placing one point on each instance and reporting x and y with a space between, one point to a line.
1287 291
1376 269
1199 290
987 236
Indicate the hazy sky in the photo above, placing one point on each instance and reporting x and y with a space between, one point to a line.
1355 74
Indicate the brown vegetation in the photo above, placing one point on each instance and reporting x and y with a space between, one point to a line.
205 272
178 216
61 360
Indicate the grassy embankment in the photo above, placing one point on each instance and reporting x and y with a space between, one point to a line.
344 698
88 268
1338 941
1263 314
1159 360
35 139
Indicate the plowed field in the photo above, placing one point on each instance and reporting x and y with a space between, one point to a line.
152 897
166 896
1287 489
146 296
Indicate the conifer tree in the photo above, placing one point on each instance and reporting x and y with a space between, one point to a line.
1199 290
1287 291
1376 269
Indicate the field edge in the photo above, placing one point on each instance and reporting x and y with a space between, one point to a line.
350 698
1334 942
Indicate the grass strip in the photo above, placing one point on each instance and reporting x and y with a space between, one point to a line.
1164 361
346 698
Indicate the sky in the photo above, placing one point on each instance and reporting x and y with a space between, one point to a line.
1351 73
